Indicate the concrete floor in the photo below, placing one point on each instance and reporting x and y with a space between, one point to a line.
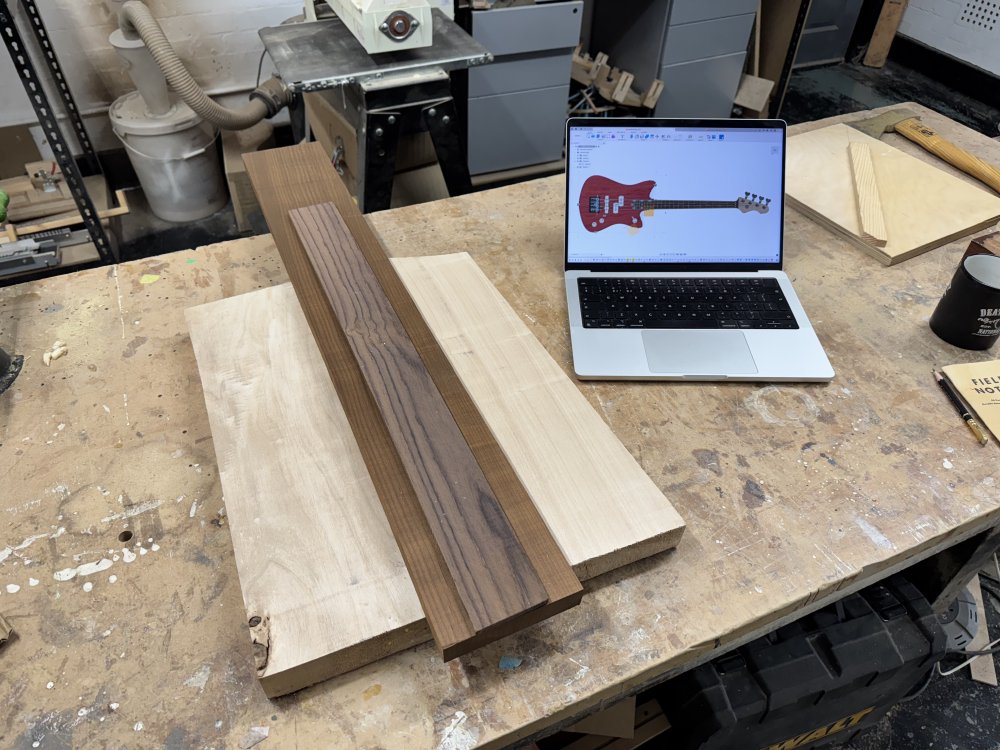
823 92
144 235
953 713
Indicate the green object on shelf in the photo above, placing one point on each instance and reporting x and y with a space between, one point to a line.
4 202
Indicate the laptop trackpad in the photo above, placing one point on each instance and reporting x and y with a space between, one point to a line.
698 352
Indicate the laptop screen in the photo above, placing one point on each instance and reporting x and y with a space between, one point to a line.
674 193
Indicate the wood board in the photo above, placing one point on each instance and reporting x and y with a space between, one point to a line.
290 178
886 27
923 207
494 583
294 478
870 216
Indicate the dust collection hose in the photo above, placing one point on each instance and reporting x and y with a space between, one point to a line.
265 101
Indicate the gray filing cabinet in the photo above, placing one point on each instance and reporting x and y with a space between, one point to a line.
517 104
696 48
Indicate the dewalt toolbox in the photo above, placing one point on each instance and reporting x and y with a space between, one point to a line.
814 683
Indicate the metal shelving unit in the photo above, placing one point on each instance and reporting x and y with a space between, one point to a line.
48 117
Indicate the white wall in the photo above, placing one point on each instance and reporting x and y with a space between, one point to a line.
216 38
939 24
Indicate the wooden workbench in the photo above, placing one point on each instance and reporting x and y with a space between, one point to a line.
793 495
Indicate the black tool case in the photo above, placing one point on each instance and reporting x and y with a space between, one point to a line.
814 683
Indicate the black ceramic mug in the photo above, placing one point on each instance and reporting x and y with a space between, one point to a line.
968 314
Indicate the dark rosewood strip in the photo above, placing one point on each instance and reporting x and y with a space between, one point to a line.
491 570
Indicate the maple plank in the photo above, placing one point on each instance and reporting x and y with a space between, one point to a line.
602 508
316 558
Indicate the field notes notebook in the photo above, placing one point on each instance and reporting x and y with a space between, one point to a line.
922 206
979 385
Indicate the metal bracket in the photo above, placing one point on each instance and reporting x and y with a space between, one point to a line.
381 143
440 121
338 156
399 25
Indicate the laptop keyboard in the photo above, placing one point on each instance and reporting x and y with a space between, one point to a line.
615 302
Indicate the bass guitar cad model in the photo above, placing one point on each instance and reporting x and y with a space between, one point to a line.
604 203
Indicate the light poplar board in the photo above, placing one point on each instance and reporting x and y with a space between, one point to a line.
315 554
602 508
492 574
922 206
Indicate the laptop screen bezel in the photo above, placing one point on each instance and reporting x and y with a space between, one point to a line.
708 124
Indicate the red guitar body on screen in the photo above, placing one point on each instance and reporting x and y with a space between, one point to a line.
604 203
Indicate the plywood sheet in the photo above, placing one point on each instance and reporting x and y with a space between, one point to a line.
922 206
285 454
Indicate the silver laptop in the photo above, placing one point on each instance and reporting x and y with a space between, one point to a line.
674 253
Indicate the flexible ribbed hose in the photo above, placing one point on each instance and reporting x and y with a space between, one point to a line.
135 16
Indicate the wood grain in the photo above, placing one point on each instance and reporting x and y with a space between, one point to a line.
300 176
285 179
703 444
337 600
315 554
574 467
924 136
872 221
923 206
492 573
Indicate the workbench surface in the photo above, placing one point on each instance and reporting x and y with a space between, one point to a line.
793 495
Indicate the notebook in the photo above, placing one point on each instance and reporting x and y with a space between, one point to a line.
674 253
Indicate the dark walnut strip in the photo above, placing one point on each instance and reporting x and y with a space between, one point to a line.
300 176
493 576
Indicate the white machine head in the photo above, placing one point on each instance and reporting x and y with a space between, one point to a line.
387 25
